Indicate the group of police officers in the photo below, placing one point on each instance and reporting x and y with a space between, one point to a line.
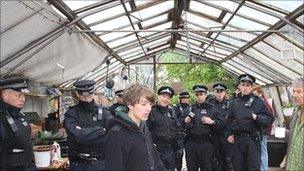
215 133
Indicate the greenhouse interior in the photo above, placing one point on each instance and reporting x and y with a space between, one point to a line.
176 43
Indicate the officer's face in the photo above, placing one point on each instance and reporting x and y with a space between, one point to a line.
245 87
200 97
185 100
219 95
163 99
14 98
88 98
140 111
298 95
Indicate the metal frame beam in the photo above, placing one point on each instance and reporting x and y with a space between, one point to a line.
296 13
92 6
176 20
128 15
63 8
224 26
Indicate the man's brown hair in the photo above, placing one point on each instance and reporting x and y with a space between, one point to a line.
132 94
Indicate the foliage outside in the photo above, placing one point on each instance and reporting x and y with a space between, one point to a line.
185 76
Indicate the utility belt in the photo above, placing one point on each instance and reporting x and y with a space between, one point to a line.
255 135
199 138
86 158
16 157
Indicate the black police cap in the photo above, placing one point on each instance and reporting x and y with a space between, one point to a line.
246 77
219 86
85 87
199 88
119 92
166 89
17 84
184 94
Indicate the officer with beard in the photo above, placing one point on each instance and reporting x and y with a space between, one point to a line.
182 109
200 123
85 127
16 152
247 115
223 149
165 128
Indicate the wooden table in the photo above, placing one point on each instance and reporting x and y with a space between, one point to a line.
58 166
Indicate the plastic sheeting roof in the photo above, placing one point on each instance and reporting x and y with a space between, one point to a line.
272 57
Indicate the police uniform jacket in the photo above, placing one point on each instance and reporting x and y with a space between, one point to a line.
182 109
15 138
85 127
128 146
240 118
164 126
223 109
196 128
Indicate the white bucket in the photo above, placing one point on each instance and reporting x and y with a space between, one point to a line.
43 155
280 132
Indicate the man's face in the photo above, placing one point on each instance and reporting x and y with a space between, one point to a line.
298 95
185 100
219 95
245 87
164 99
141 110
200 97
88 98
14 98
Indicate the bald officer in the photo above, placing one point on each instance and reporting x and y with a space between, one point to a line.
16 151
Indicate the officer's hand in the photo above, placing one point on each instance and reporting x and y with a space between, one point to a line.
230 139
188 119
207 120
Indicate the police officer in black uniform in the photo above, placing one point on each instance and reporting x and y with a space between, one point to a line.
247 114
16 151
223 149
199 124
182 109
85 127
118 103
165 128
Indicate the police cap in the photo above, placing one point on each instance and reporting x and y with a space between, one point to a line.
200 88
85 87
247 77
17 84
167 90
219 86
184 94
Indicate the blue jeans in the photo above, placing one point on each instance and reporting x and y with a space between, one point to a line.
264 153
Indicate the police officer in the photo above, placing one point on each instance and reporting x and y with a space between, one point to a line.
165 128
247 114
182 109
199 124
118 95
16 151
85 127
223 149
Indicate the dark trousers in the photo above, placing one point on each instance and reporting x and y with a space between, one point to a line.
246 153
87 166
223 154
179 161
199 155
167 156
30 167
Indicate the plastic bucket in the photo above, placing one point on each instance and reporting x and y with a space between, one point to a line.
43 155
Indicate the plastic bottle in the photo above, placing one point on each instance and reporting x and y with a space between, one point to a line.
57 150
